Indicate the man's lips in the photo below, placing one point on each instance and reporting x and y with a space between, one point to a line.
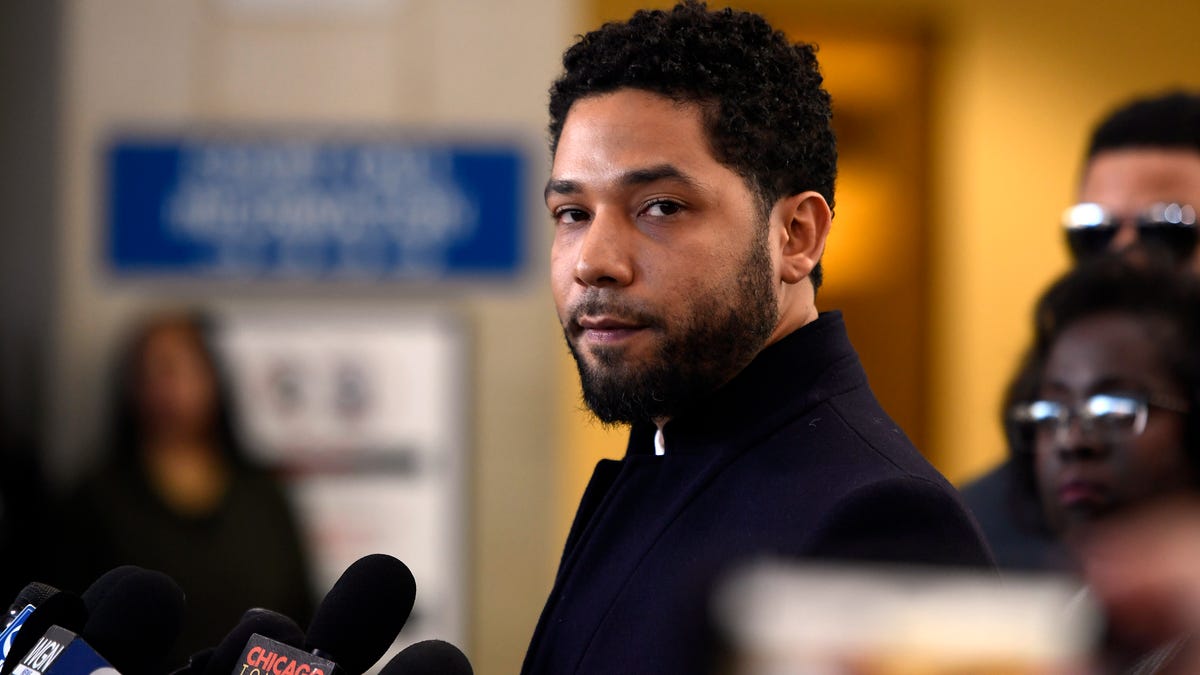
608 329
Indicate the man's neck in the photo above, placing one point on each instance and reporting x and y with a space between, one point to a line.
791 321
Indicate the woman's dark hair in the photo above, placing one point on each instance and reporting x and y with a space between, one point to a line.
125 433
766 114
1147 289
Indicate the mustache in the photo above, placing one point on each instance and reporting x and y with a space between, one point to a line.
596 302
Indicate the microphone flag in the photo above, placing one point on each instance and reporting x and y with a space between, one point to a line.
59 651
264 656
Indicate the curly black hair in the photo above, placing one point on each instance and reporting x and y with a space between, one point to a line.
1168 121
1149 289
768 118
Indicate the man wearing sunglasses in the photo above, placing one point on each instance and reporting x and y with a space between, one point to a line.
1141 182
1139 191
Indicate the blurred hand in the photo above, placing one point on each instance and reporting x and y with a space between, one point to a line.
1145 569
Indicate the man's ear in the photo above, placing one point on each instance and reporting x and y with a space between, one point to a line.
806 219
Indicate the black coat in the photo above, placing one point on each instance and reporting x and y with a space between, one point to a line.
794 457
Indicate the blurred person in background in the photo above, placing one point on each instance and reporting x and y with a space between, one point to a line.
1141 181
1104 415
1140 185
178 494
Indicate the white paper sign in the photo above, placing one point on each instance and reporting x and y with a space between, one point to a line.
366 415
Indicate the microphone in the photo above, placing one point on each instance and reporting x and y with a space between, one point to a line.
429 657
136 616
352 627
104 585
263 656
30 597
63 609
62 652
23 605
361 615
273 625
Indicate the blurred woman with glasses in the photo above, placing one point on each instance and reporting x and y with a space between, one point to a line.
1105 413
1103 418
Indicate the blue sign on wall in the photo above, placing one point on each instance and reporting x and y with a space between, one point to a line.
314 209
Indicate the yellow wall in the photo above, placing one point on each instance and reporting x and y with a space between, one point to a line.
1019 86
1016 87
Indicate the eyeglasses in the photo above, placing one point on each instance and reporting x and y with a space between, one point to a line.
1106 417
1091 228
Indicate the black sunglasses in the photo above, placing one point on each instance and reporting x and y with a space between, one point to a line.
1090 229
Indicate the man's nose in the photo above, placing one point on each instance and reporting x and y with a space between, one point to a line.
1126 236
606 255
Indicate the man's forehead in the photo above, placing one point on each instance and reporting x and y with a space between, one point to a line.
629 137
1130 179
632 117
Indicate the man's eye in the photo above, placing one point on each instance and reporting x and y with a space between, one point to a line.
663 208
570 216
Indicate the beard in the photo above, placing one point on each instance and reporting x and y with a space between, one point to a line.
723 332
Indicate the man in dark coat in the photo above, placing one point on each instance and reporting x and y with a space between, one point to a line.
691 195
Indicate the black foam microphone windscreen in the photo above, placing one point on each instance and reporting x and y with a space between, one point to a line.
262 621
362 614
100 589
34 593
63 609
429 657
136 620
